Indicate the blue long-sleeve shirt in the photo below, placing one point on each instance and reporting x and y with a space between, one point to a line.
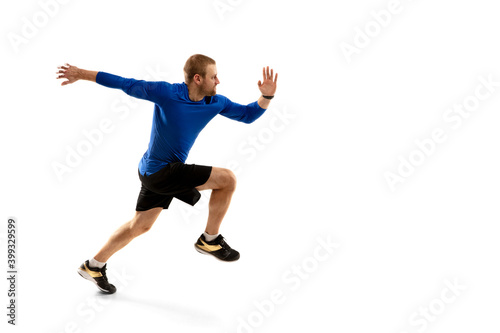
177 121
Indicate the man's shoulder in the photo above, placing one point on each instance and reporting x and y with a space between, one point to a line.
178 86
174 91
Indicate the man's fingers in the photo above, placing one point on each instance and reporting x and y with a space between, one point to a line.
62 72
269 74
64 67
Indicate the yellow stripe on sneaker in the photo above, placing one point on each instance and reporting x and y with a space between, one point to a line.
91 273
208 247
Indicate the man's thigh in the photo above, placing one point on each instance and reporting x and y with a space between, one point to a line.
219 178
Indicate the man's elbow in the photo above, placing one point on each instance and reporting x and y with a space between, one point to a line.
248 120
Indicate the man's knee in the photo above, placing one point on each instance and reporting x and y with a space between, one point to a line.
229 180
141 224
137 228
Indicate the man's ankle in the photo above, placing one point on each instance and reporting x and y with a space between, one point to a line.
96 264
210 237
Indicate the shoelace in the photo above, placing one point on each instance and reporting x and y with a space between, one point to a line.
225 245
103 272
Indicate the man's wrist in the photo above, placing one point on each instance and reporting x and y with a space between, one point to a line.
268 97
87 75
263 102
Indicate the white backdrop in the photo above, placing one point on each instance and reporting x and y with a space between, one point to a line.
367 195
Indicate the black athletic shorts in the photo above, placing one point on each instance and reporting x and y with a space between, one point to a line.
176 180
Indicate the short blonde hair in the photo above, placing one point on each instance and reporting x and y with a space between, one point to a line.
196 64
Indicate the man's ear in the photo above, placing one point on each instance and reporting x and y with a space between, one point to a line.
197 78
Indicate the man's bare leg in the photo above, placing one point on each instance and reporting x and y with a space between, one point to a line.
141 223
222 182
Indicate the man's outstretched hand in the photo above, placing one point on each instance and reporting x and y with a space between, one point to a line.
73 74
268 86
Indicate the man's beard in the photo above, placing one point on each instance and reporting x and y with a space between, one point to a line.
211 92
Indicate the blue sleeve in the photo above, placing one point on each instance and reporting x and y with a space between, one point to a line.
244 113
148 90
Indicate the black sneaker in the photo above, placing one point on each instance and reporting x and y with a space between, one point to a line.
218 248
98 276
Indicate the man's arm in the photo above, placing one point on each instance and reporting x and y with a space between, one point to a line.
73 74
267 87
251 112
154 91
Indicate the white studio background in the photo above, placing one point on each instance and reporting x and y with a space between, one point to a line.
367 194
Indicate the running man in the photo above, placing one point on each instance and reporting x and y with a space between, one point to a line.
181 111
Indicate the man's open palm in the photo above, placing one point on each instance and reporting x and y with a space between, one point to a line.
268 86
